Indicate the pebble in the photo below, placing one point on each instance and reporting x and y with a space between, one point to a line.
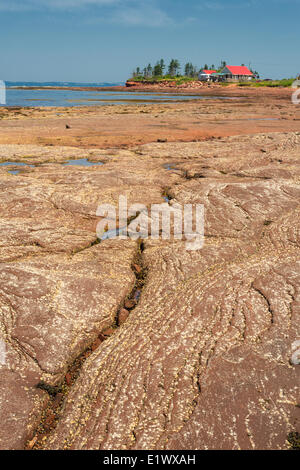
123 315
68 378
96 344
31 443
49 420
108 332
57 400
137 268
129 303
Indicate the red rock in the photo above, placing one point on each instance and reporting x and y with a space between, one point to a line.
203 362
204 359
96 344
31 443
123 315
57 400
137 268
129 304
48 423
108 332
68 378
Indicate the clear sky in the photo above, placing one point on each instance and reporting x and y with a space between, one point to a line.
104 40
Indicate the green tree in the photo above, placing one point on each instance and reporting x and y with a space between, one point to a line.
222 65
255 73
190 70
157 71
177 67
149 71
174 67
171 68
187 70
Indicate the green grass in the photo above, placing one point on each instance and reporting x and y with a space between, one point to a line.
286 82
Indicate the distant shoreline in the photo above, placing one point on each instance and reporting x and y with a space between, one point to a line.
72 88
206 90
134 89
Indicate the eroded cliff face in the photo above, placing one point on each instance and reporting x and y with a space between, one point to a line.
129 345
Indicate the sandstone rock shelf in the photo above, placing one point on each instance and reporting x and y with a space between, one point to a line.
129 345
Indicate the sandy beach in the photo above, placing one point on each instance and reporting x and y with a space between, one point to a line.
130 344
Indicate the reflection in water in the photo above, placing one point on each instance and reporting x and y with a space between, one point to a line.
15 164
15 172
82 162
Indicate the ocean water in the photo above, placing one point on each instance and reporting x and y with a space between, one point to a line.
63 84
25 97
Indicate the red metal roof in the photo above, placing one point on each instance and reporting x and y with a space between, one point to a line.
239 70
208 72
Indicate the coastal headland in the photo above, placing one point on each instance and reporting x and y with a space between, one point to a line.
141 344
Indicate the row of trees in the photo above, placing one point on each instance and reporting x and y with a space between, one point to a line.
158 70
174 69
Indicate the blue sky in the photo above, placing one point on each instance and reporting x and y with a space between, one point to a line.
104 40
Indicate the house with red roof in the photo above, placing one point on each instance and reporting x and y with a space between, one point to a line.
236 73
206 75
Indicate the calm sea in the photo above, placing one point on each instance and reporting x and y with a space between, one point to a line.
26 97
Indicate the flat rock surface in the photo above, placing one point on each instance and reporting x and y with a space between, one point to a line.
117 344
222 111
